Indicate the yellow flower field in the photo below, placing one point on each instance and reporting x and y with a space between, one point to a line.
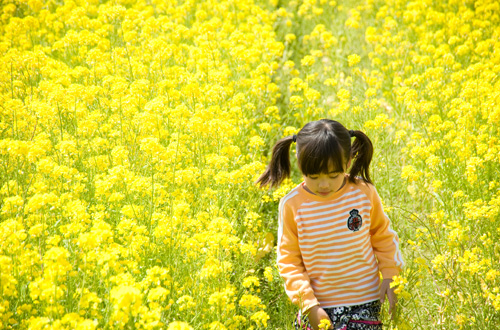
132 131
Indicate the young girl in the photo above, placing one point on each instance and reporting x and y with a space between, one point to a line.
334 237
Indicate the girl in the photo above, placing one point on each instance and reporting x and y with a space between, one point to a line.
333 237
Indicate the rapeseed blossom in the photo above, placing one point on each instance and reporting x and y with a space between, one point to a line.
119 117
353 59
179 326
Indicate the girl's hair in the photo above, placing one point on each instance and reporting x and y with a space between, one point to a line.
321 145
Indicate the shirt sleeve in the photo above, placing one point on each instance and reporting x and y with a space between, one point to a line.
385 241
290 264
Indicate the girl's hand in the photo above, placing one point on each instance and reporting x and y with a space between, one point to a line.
316 314
385 289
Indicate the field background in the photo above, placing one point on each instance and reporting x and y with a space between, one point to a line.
131 133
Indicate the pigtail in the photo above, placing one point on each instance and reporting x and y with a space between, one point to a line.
361 154
279 167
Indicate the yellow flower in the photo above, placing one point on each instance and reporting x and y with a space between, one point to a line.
56 261
177 325
410 173
256 142
250 281
296 101
380 121
353 60
216 325
158 294
186 302
39 323
312 95
324 324
250 301
290 37
12 205
260 317
223 300
354 19
343 94
126 298
330 82
265 127
268 274
308 60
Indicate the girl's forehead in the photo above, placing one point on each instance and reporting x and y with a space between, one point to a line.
331 171
332 168
316 168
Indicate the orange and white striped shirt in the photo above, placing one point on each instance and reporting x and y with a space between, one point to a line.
327 246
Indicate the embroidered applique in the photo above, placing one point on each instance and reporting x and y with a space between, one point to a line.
355 221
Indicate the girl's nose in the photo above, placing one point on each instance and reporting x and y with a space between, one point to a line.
323 184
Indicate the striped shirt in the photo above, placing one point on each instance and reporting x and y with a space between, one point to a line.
330 250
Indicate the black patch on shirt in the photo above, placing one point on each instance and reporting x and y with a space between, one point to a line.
355 221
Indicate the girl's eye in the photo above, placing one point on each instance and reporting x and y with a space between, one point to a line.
334 177
313 177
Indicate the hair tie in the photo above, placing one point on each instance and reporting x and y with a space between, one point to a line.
351 132
294 138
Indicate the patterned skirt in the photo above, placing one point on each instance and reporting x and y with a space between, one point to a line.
358 317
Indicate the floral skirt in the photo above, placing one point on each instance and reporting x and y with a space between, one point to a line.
358 317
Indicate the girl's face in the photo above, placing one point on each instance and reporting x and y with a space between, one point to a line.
325 184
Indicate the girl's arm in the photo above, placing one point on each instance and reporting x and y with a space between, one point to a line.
289 258
385 241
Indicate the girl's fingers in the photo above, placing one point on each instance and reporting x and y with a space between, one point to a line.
393 299
382 292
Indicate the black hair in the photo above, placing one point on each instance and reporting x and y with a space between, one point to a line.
321 145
